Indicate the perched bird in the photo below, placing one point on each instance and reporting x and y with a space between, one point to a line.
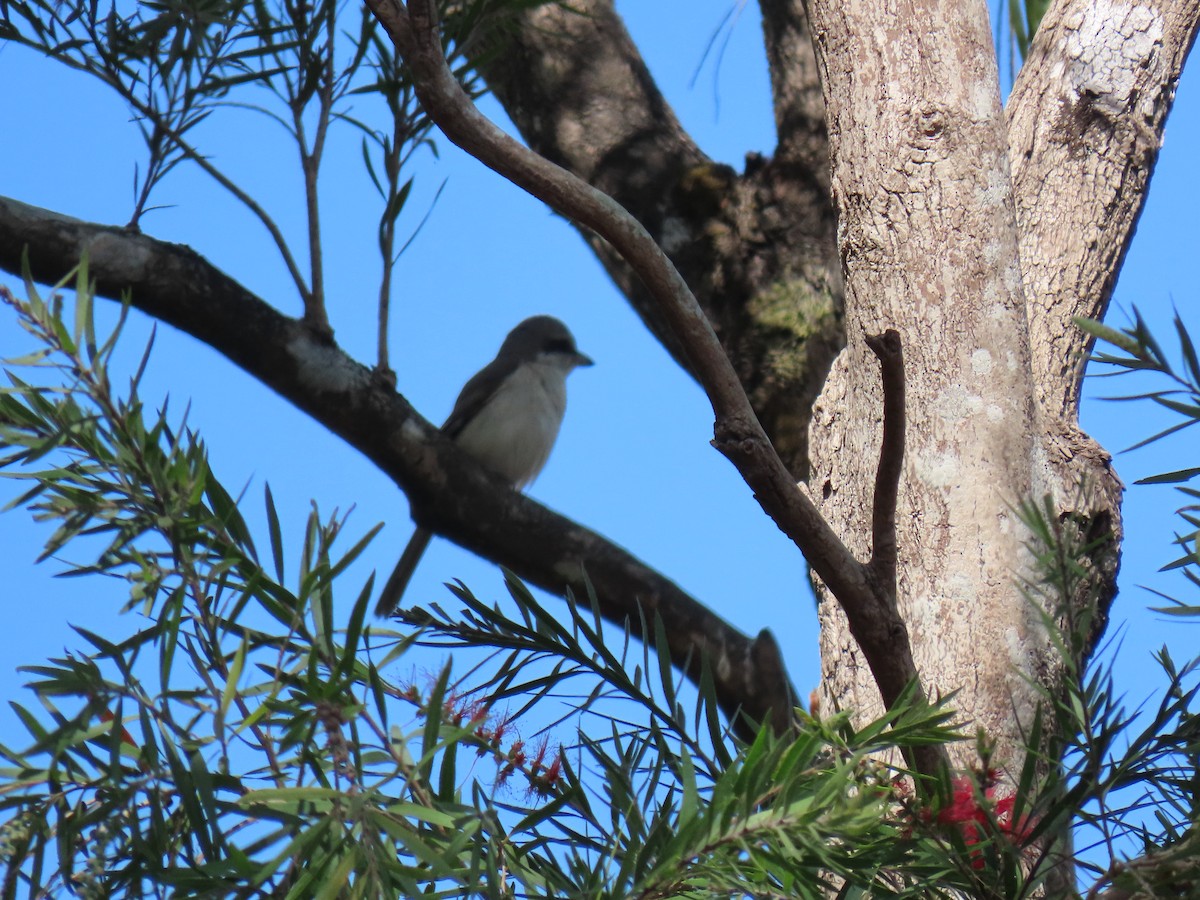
507 417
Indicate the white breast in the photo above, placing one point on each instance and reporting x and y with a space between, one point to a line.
515 430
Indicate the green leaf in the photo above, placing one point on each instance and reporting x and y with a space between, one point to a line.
1188 348
84 335
233 678
275 533
226 512
1171 477
1119 339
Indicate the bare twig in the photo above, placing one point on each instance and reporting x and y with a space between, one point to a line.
315 313
387 244
882 566
383 363
244 198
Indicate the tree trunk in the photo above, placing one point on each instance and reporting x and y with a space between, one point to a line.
979 255
977 237
929 244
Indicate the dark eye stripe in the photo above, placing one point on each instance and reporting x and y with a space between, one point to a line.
558 345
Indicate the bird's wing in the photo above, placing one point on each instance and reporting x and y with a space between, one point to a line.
476 393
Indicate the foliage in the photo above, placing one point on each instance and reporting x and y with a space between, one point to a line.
1024 17
235 741
1144 355
303 65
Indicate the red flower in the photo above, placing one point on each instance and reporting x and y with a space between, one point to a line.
970 817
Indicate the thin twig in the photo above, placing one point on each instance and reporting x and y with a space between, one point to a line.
246 200
310 161
387 243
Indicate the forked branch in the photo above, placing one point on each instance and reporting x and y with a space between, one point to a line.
874 619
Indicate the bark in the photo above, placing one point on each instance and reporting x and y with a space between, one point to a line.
756 248
448 492
928 241
1085 123
796 88
980 263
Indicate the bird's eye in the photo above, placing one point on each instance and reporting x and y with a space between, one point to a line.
558 345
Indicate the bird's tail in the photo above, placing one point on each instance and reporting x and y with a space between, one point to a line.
389 599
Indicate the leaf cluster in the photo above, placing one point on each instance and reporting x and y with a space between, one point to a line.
1141 353
664 800
239 741
303 64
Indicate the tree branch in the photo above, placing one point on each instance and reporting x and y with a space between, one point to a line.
796 87
738 435
448 491
881 569
1085 123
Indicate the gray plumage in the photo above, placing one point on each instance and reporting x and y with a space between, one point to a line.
507 417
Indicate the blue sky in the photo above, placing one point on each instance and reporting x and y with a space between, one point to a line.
633 463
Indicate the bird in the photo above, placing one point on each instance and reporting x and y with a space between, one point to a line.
507 417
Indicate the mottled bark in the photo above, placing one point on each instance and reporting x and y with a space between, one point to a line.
978 238
756 248
928 240
1085 123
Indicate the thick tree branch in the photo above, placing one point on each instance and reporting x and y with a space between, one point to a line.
551 65
757 248
447 490
738 435
1084 126
1085 123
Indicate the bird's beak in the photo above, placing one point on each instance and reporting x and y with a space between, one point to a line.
581 360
